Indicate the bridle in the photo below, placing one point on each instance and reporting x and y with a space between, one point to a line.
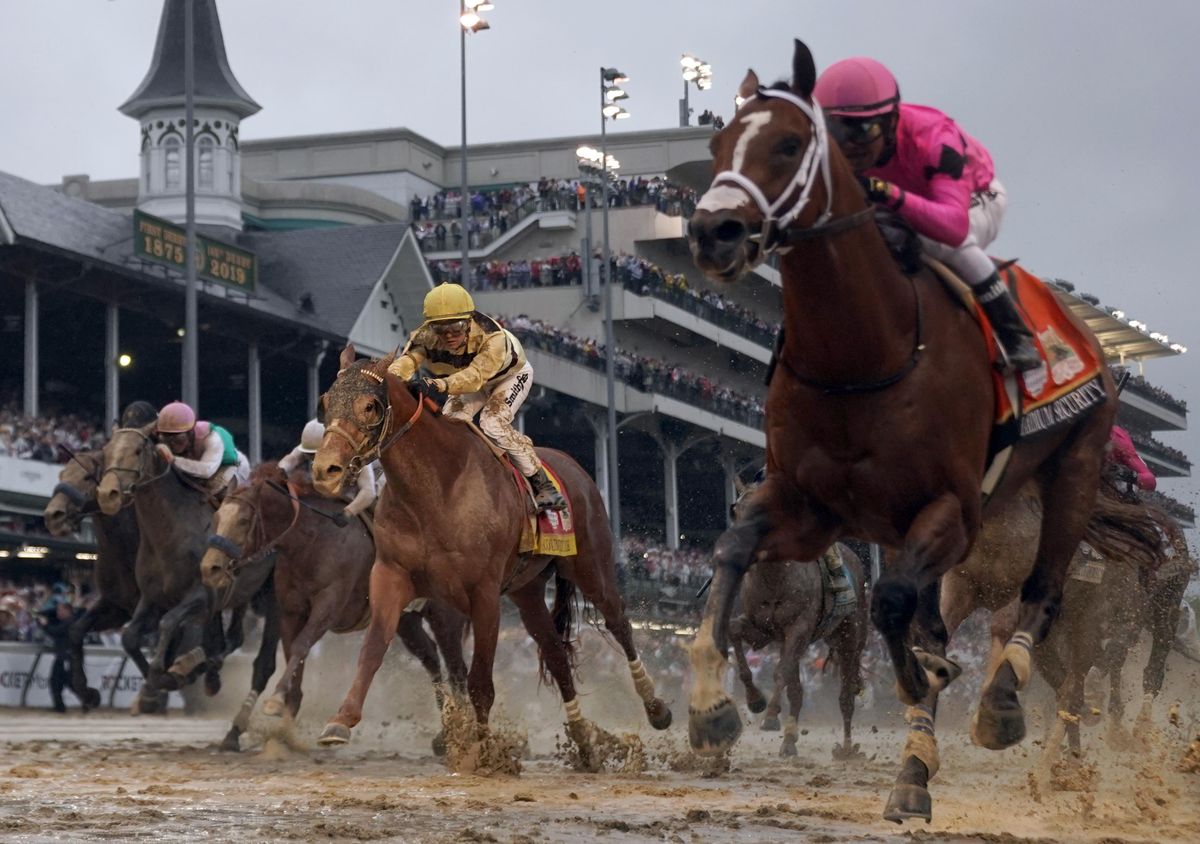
127 493
368 442
85 504
778 216
238 559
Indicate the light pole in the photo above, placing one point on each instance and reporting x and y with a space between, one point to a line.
469 20
610 95
695 71
592 170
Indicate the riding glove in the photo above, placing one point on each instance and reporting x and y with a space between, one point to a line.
340 518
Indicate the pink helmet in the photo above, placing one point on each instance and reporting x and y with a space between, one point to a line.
857 87
176 418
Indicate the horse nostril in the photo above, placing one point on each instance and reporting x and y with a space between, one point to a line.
333 470
730 231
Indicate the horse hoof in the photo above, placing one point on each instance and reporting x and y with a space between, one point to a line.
334 735
770 724
997 729
170 681
439 745
231 744
212 683
273 706
944 671
715 731
756 703
848 753
91 698
908 801
659 714
788 749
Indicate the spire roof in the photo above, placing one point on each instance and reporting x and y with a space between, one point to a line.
215 84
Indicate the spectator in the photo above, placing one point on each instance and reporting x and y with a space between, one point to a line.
56 619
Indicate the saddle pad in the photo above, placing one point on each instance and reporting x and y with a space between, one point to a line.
550 532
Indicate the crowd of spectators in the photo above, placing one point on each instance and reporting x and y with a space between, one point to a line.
639 276
1145 441
40 437
439 224
707 118
23 604
648 374
1141 385
649 560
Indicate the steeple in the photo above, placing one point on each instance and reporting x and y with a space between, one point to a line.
220 103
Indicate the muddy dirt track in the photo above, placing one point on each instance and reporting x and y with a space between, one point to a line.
107 776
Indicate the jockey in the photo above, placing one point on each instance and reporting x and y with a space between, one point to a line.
365 488
200 449
916 161
482 367
1122 453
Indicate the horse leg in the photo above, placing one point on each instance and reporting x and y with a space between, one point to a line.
264 667
848 643
412 633
391 590
713 722
485 622
150 697
770 721
299 634
103 615
448 628
177 620
599 585
795 643
1162 615
754 698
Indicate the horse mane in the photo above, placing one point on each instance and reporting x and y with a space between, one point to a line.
261 472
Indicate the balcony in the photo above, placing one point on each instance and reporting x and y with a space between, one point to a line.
1151 408
1182 513
1163 460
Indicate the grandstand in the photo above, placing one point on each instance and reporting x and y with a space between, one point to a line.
344 233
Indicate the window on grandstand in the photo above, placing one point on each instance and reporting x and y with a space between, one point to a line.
204 176
174 168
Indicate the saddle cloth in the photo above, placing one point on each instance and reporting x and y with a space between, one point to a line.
1066 385
548 533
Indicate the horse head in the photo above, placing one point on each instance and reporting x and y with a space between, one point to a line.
358 413
129 459
232 534
774 171
76 490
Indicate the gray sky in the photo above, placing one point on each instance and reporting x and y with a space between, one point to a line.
1089 107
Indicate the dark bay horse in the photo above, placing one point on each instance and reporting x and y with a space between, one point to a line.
786 602
879 417
321 575
173 517
448 527
116 554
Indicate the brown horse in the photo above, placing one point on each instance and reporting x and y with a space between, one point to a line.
448 527
879 417
116 553
321 573
787 602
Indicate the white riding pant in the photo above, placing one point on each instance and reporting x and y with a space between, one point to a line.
968 258
240 470
497 406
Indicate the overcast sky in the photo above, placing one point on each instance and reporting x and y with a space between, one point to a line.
1089 107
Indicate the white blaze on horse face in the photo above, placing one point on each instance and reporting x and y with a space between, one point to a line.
725 197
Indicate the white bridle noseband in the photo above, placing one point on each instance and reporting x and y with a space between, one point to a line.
816 159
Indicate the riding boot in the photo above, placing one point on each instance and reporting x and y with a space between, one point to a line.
839 577
1010 328
545 495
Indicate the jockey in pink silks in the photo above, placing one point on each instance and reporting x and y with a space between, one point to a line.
917 162
1122 452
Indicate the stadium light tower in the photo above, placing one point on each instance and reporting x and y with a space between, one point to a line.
469 20
611 95
695 71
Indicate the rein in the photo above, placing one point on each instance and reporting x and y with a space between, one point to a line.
383 440
138 481
238 561
854 388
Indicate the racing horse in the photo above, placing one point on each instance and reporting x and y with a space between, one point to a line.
173 517
74 498
879 416
448 527
321 572
787 602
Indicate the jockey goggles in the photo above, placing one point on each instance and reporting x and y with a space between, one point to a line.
856 130
456 326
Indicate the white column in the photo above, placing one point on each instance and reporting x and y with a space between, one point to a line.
314 378
254 411
30 406
729 466
671 492
112 369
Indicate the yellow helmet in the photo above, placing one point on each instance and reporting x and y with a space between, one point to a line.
448 301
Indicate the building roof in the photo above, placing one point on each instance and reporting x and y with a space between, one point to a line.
215 84
336 268
35 213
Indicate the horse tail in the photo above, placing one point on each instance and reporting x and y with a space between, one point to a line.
1126 530
564 613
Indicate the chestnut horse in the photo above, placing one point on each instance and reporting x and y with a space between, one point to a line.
448 527
878 422
321 573
116 553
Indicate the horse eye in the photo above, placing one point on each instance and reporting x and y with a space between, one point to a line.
789 147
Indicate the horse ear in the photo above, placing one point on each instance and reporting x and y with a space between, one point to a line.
804 70
348 356
749 86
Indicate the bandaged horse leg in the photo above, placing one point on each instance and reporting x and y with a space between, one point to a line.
999 721
754 698
839 579
264 667
794 644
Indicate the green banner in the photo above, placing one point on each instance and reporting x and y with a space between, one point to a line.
157 240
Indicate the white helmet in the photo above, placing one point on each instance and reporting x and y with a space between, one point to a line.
310 438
